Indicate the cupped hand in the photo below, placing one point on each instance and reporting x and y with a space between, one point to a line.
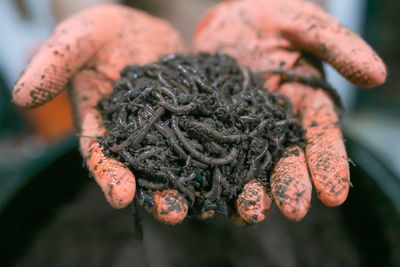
88 51
273 38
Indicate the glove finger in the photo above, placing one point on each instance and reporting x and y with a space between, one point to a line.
72 44
325 150
170 207
114 178
254 203
315 31
290 184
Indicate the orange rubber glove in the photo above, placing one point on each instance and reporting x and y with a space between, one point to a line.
269 36
90 49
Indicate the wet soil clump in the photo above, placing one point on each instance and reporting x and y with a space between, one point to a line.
200 124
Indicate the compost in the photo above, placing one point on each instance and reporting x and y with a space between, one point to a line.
200 124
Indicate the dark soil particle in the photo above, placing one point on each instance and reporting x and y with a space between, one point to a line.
199 124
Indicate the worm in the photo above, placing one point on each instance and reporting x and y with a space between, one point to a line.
208 131
173 142
287 122
253 166
196 154
151 185
175 109
216 185
187 179
145 128
260 127
289 75
149 153
216 148
181 188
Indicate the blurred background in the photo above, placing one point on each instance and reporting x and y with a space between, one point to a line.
73 225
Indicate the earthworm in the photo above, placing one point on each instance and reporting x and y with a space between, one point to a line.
260 127
205 129
219 80
216 148
188 77
163 80
287 122
168 92
145 92
175 109
122 116
139 119
187 179
150 152
209 89
173 142
146 127
254 164
151 185
239 165
169 135
184 88
196 154
181 188
134 140
131 160
216 185
151 138
267 161
289 75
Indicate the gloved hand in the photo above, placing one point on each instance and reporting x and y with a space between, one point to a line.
89 50
271 37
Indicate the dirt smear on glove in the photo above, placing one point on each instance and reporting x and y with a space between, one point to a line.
199 124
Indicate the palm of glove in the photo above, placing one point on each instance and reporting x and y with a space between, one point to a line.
92 47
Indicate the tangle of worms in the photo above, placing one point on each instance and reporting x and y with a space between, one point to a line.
200 124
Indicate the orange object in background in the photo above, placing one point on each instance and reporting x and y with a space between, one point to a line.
52 121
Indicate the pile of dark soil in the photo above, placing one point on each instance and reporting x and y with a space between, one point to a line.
199 124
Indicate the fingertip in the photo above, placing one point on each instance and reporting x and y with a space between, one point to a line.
27 96
328 164
377 76
296 213
121 190
114 178
334 194
170 207
290 184
17 95
366 69
253 204
294 207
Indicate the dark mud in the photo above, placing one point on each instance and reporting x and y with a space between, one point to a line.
199 124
